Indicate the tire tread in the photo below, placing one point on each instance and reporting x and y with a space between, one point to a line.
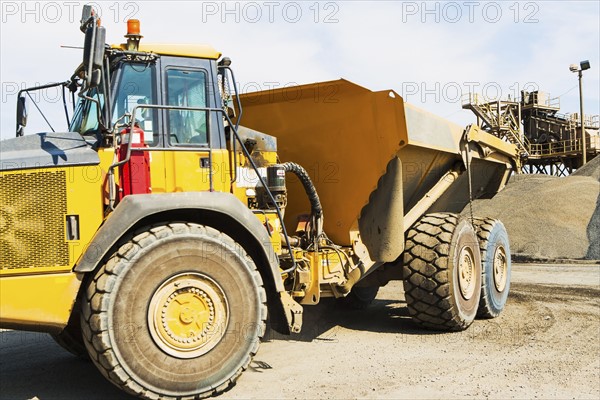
425 273
484 227
95 319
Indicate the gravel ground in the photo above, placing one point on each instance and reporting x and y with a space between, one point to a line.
545 345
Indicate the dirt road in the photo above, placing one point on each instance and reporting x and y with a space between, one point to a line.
545 345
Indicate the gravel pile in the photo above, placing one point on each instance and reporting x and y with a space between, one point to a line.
548 217
592 169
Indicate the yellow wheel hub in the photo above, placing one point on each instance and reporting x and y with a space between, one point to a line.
500 268
188 315
466 273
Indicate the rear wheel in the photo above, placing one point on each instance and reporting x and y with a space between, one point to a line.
496 266
442 272
178 311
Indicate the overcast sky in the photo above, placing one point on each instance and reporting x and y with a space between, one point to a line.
428 52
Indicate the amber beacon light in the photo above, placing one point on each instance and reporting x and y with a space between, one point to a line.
133 34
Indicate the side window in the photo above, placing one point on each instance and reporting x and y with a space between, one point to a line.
137 86
186 88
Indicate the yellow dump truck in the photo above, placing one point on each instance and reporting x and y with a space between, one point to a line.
157 235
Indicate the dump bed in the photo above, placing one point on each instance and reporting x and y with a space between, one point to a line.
371 156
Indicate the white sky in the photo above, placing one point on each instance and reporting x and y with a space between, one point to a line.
426 51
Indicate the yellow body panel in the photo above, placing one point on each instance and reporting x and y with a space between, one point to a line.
180 49
274 229
107 158
158 178
38 302
182 171
85 198
326 268
36 203
37 285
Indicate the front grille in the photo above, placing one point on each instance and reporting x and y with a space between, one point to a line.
32 219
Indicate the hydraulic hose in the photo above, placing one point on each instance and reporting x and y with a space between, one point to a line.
309 187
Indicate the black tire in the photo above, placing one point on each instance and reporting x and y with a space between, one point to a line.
177 311
435 296
71 338
495 252
360 298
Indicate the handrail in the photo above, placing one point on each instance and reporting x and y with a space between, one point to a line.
534 99
238 119
502 121
589 120
501 118
563 147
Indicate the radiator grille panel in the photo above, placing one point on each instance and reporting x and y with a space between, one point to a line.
32 219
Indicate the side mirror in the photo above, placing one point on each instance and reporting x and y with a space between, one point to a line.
93 48
93 53
21 116
86 14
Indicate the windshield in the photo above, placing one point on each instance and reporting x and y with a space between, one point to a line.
85 117
136 87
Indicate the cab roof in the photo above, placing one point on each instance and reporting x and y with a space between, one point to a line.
176 49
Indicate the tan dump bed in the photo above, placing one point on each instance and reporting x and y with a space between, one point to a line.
347 137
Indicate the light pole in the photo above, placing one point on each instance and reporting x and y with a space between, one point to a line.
579 69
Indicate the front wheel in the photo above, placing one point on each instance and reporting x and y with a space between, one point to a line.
177 311
442 272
